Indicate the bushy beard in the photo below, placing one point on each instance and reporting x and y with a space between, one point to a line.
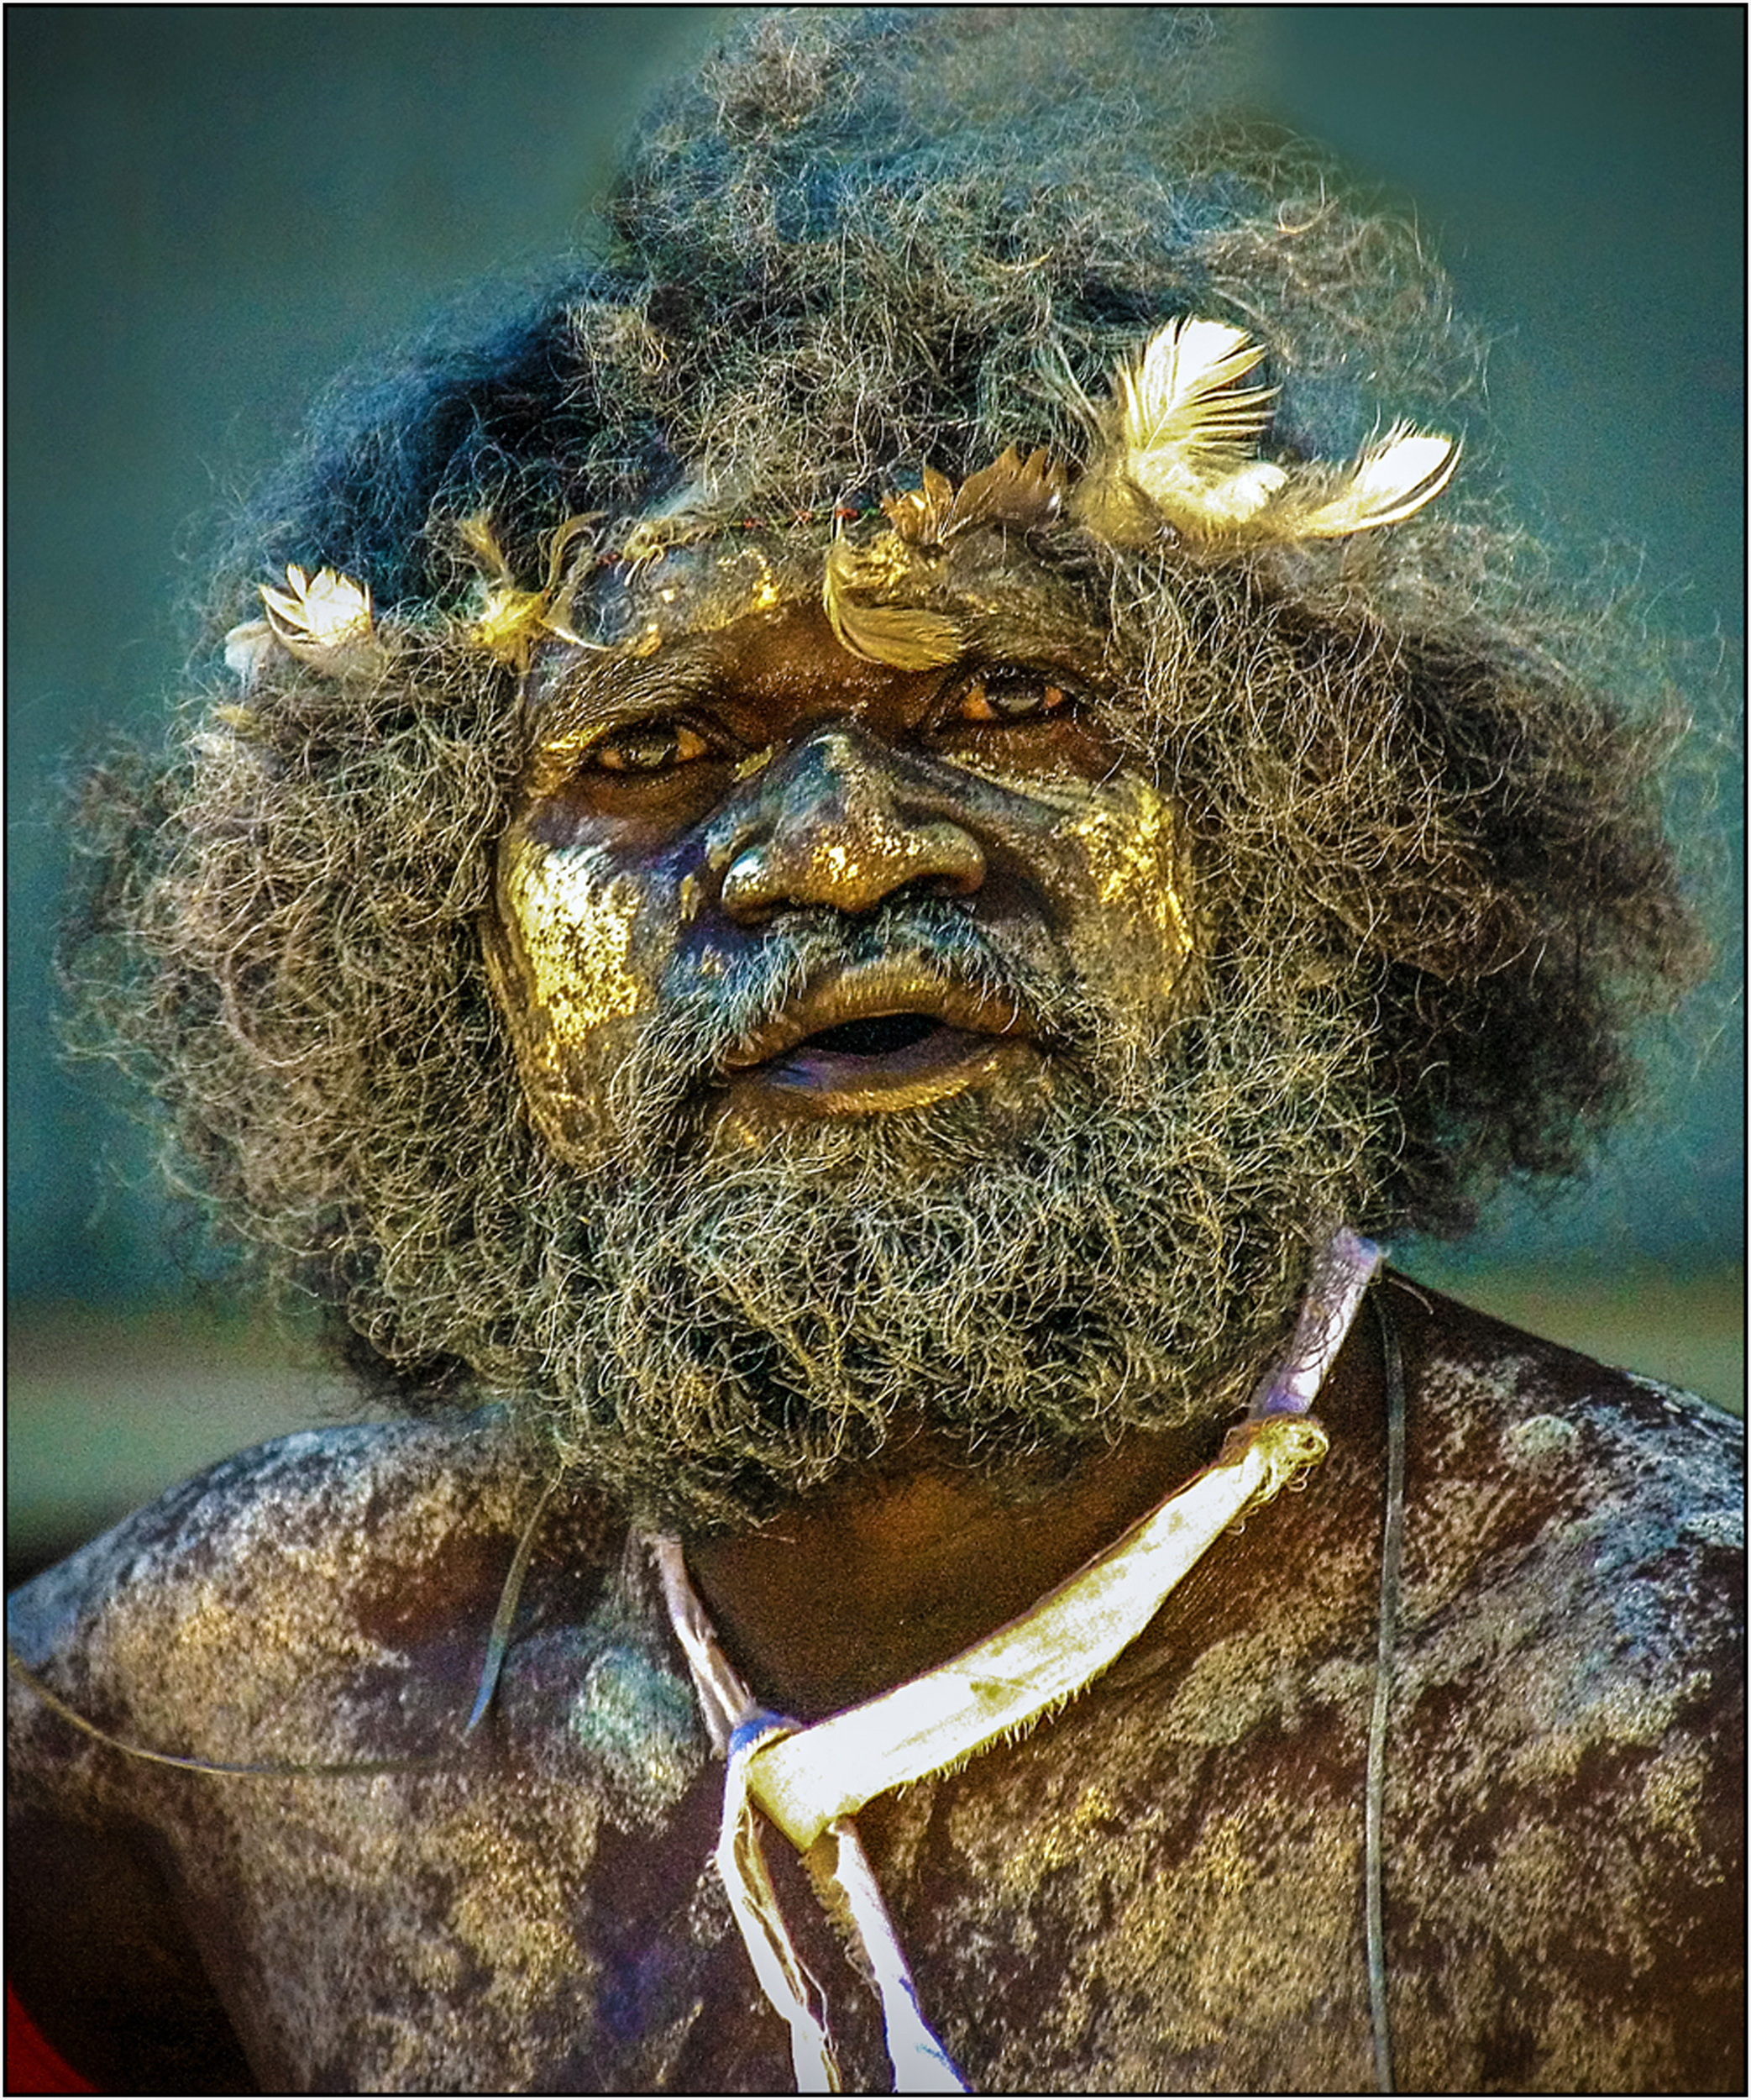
1117 1238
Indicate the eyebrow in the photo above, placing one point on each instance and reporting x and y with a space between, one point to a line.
593 692
589 695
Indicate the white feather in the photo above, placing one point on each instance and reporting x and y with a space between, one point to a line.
1395 476
325 620
247 648
1182 439
1176 398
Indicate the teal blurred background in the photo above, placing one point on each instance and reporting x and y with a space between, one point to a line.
212 210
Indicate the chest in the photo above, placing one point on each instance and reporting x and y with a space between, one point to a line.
1106 1906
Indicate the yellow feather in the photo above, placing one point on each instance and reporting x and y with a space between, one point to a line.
510 620
906 638
476 534
508 624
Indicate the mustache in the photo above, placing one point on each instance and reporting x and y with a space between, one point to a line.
681 1055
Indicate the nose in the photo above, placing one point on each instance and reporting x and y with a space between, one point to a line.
833 826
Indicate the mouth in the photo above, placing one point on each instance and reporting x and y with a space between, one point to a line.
886 1036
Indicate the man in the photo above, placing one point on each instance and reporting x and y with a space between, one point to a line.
836 868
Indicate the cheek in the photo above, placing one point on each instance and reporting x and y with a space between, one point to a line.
1127 838
570 918
1110 854
569 979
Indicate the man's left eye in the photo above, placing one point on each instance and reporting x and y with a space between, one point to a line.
1009 697
646 747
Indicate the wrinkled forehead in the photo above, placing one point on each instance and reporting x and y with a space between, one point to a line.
724 595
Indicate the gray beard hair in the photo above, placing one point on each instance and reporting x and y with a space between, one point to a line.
1026 1269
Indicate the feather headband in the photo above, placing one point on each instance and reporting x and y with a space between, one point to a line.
1177 452
1175 458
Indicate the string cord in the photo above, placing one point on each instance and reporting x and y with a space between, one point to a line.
1390 1560
498 1642
504 1618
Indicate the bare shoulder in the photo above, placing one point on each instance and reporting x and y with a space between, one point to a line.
324 1600
202 1623
1562 1771
1472 1366
1568 1712
1552 1492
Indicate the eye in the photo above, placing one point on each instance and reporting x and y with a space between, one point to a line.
1009 695
645 747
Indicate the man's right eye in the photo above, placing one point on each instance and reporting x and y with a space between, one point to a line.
645 747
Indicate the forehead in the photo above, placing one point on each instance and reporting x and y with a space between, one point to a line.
775 650
768 663
783 659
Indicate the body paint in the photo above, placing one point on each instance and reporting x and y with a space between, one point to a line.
559 950
574 921
1127 835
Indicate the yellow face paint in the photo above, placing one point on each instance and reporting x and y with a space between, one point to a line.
784 776
755 762
559 961
1130 838
1126 834
572 923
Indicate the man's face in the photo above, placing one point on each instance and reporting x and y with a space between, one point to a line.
857 1009
744 826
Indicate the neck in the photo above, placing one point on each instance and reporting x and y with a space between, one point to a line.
878 1579
860 1586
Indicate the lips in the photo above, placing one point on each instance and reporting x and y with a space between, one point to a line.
882 1036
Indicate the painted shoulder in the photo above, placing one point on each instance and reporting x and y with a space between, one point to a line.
201 1624
1531 1462
1565 1785
1562 1795
396 1907
1573 1559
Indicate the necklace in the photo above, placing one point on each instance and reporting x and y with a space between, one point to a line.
811 1782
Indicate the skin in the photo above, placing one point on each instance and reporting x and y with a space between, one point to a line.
1158 1888
673 812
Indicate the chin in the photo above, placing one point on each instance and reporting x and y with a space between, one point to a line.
1023 1266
